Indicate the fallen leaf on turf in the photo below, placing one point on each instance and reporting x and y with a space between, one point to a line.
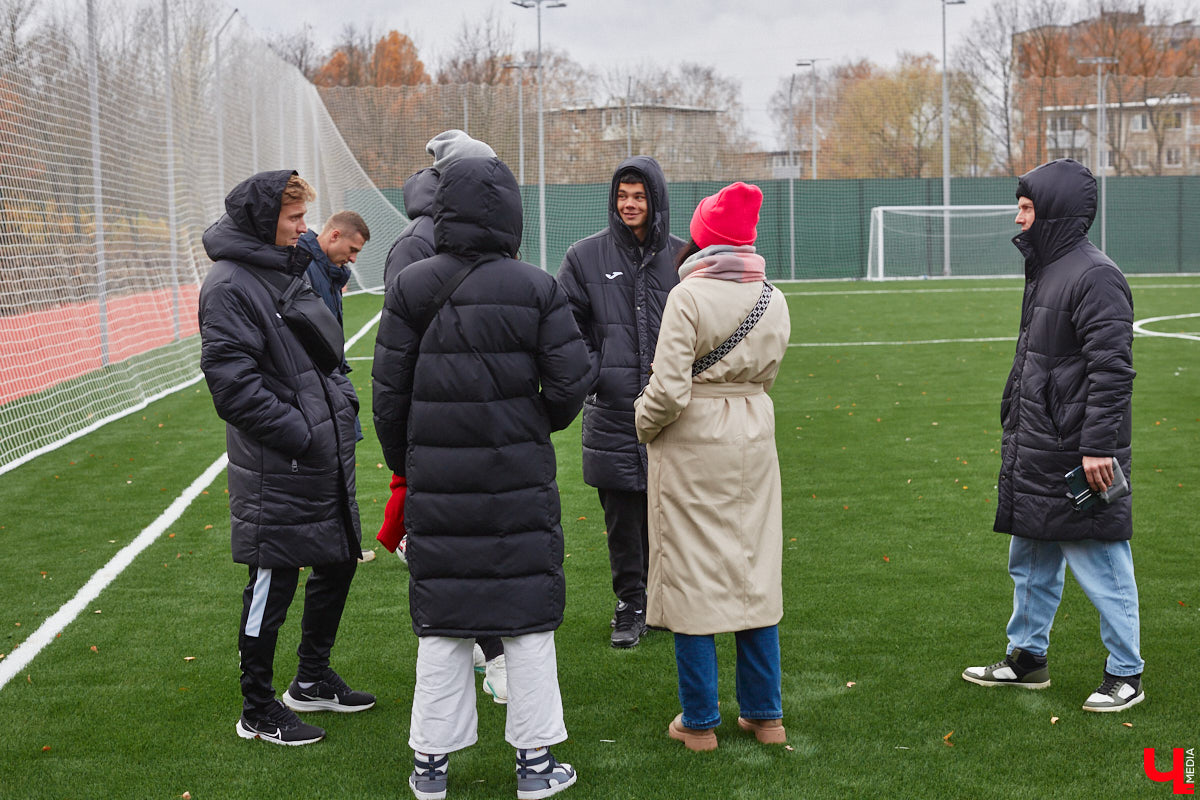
946 739
1182 604
1053 720
885 558
788 747
186 796
1 656
1127 724
849 684
208 527
189 658
581 519
97 611
170 536
95 649
46 748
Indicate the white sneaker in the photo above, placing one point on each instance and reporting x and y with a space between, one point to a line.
495 679
1115 694
479 658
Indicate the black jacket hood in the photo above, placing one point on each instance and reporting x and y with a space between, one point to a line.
418 193
656 191
1064 199
477 209
246 231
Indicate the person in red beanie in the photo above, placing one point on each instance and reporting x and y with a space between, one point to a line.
709 429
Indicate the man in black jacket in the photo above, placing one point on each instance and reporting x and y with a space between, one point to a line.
290 436
1067 405
467 390
617 281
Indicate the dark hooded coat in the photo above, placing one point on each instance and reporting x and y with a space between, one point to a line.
289 427
1069 392
465 413
415 242
617 287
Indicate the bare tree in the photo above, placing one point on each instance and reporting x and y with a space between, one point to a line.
481 48
300 49
985 60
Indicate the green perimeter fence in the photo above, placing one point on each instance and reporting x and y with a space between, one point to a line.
1151 226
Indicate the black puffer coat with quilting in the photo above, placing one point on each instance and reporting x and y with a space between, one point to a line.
289 427
465 413
618 287
1069 392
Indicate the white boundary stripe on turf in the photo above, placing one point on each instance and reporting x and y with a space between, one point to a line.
1139 327
25 652
963 290
903 343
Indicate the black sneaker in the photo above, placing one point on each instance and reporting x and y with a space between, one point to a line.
328 694
1018 668
631 624
277 725
1116 693
540 776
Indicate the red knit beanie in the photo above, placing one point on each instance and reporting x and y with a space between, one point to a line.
728 217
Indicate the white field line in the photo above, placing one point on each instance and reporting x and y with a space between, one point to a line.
1139 327
965 290
25 652
20 657
905 342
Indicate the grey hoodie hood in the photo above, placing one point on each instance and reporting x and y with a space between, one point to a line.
449 146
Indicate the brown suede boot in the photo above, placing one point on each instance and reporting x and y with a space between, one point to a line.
767 731
698 739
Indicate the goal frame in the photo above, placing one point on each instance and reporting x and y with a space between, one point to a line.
876 240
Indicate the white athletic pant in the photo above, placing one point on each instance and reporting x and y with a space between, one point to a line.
443 712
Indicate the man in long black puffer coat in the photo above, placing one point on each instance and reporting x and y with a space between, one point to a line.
466 395
617 281
1067 405
290 435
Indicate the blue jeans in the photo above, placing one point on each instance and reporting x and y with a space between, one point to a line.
758 676
1105 572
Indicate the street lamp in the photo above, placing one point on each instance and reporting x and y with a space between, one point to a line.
946 144
1100 62
522 66
541 122
812 62
220 109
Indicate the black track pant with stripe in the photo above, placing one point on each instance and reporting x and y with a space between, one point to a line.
265 603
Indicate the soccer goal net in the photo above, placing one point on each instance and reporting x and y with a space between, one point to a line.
942 241
122 127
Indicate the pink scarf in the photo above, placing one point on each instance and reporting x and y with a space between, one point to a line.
725 262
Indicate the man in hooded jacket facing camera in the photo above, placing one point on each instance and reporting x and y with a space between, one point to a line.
1067 405
290 436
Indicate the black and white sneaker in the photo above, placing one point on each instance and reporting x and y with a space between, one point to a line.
1116 693
428 778
540 775
1018 668
277 725
328 694
630 625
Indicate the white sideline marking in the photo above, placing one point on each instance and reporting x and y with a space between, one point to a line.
967 289
25 652
905 342
1139 327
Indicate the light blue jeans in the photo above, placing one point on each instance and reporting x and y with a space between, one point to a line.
758 677
1105 572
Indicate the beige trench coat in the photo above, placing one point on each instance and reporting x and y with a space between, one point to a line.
715 507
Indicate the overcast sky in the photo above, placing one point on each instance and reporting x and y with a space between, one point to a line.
755 42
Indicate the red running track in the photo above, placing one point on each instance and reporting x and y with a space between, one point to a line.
44 348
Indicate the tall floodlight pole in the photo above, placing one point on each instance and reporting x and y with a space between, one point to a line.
812 62
220 106
97 180
1100 62
541 123
946 143
522 66
791 173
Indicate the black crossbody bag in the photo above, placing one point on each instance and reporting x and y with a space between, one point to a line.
756 313
307 316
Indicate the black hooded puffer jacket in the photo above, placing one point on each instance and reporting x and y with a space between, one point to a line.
1069 392
617 288
415 242
466 411
290 428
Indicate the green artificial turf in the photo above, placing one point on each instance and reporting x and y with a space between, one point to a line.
893 583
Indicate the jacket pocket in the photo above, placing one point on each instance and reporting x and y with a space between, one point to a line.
1054 409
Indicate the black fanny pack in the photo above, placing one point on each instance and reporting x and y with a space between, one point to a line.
307 316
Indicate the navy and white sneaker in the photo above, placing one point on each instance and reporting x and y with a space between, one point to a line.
1019 668
1116 693
428 779
277 725
539 774
328 694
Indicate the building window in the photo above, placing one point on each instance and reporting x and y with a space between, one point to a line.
1138 123
1174 157
1173 120
1110 158
1139 158
1196 154
1064 123
671 120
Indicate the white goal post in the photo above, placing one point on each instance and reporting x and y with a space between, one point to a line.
942 241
